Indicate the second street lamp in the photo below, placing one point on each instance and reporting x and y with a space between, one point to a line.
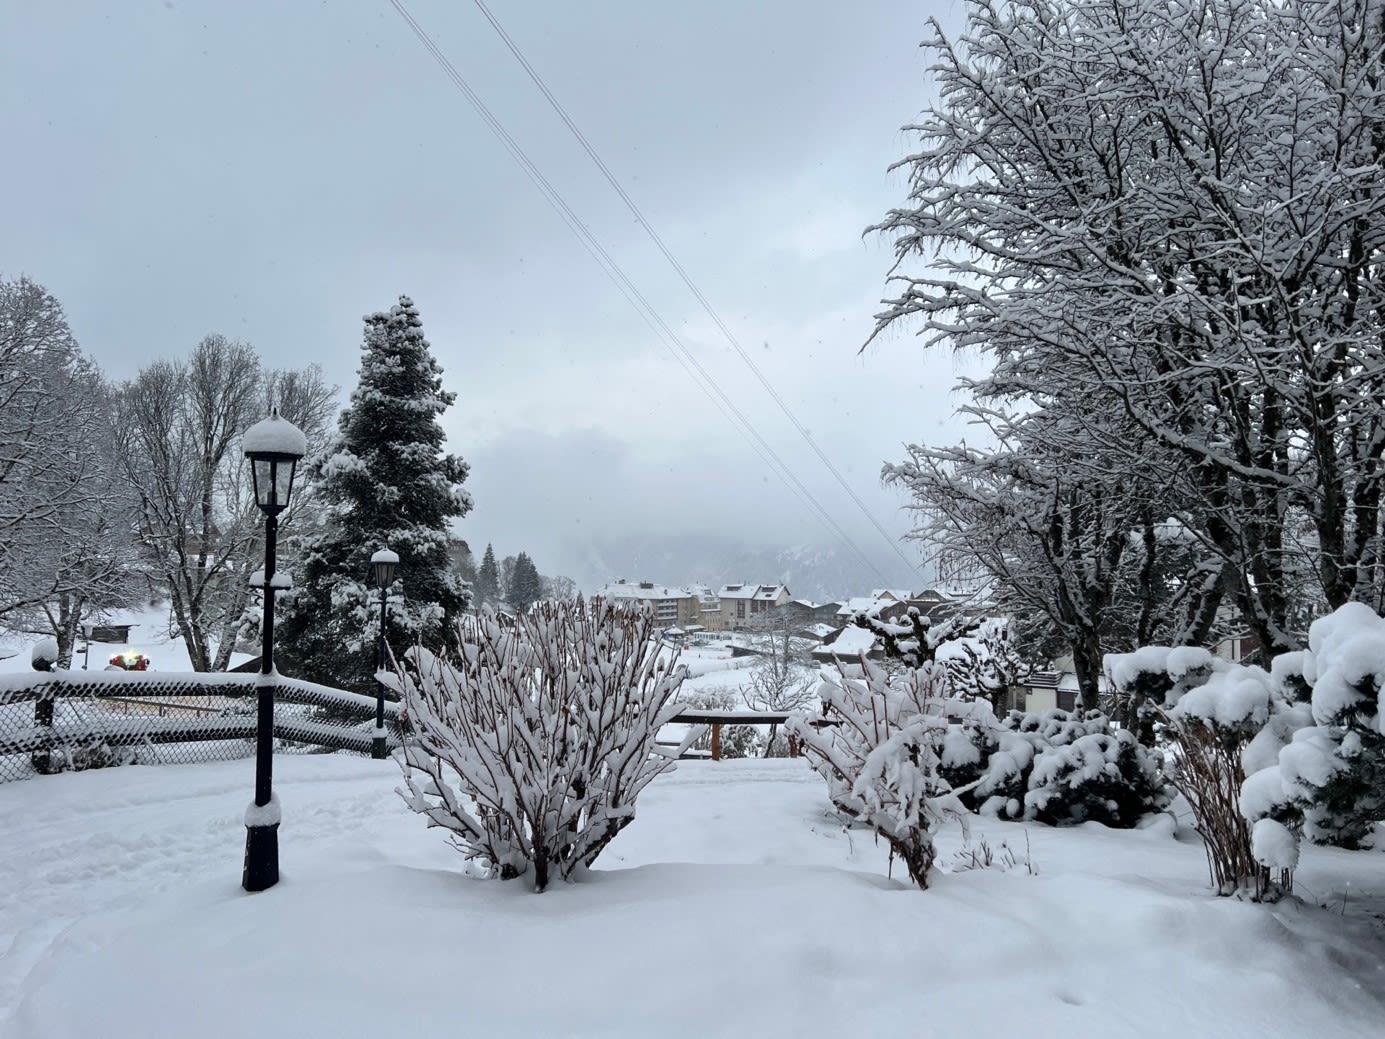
384 562
274 447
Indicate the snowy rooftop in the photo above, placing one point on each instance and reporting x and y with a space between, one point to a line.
852 642
758 592
644 590
870 605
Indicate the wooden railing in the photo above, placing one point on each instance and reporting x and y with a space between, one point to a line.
717 718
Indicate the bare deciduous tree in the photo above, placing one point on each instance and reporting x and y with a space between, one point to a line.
179 427
1173 214
64 516
779 682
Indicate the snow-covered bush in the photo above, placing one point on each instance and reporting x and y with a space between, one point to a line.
1103 777
1152 677
967 749
1221 731
81 755
1264 756
1334 768
533 743
882 760
1062 769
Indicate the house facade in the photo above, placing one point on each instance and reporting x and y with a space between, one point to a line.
673 607
750 605
709 614
802 613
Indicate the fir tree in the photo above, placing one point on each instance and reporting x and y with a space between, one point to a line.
488 579
387 484
526 587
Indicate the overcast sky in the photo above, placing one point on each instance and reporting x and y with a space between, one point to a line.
273 171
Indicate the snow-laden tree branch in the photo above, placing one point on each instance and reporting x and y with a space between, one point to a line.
178 428
1171 214
66 517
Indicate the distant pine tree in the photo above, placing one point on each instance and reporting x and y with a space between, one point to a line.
387 484
526 587
488 579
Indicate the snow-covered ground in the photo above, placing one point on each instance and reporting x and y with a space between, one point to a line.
735 904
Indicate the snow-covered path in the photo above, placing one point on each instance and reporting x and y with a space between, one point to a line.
734 905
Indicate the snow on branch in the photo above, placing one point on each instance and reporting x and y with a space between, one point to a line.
882 759
535 740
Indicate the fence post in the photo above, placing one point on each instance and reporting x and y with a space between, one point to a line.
716 741
41 760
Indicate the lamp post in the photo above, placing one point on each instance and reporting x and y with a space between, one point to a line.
384 563
274 447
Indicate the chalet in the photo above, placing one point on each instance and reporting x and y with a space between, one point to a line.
883 606
934 605
1044 690
847 644
1236 648
804 612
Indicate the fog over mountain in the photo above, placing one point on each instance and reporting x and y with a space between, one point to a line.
587 506
811 572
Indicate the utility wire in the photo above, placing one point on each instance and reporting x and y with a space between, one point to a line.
632 294
683 274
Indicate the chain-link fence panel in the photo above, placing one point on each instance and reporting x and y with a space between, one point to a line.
70 721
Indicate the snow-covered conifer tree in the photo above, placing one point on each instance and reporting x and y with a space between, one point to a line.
386 483
488 579
526 588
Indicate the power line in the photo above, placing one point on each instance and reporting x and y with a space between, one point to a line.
632 294
683 274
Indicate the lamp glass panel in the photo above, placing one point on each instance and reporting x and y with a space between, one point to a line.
264 487
283 483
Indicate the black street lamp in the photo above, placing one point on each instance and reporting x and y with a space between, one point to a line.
384 562
274 447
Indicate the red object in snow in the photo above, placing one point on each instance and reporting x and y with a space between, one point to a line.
130 661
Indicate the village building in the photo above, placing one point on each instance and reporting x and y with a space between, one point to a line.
750 605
